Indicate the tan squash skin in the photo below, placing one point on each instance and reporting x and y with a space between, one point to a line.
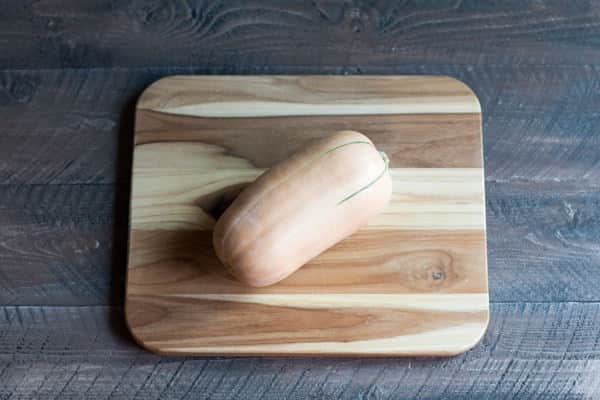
301 207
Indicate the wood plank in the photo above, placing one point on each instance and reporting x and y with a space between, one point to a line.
531 350
62 244
334 329
168 197
327 36
454 142
75 126
541 231
66 126
182 263
230 96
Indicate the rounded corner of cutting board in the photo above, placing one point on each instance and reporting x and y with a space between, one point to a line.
144 97
475 338
135 335
130 324
463 85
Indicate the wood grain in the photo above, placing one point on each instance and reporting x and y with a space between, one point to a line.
418 146
540 350
439 198
412 282
280 96
322 35
181 262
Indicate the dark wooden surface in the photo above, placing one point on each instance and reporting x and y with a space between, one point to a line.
70 72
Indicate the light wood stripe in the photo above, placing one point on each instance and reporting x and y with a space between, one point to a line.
446 341
428 198
424 105
439 302
272 96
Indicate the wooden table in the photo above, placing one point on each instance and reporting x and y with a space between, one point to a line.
69 77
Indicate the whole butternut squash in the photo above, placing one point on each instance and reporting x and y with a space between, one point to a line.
301 207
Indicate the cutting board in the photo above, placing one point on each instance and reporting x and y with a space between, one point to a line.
411 282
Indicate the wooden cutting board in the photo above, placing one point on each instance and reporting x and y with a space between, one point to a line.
412 282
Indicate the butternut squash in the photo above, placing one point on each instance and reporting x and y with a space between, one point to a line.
301 207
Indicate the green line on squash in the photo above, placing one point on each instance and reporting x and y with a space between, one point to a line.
386 161
384 157
347 144
322 155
